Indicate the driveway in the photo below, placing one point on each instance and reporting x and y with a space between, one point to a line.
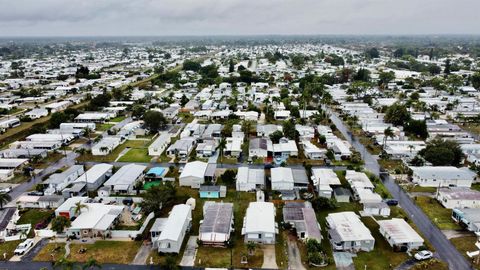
294 257
190 252
142 254
35 250
269 258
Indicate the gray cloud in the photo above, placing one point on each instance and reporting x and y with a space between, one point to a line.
236 17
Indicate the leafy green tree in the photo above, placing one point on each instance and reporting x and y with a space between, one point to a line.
154 121
289 130
397 114
157 197
373 53
276 136
441 152
57 118
228 177
191 65
362 75
60 223
417 128
4 199
386 77
138 111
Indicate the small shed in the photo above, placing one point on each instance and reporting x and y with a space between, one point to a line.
212 192
342 194
376 209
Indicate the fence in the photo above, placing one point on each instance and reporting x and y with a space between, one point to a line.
132 233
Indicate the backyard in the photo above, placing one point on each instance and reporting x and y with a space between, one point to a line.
121 252
437 213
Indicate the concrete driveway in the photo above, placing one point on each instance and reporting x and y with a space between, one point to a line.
294 257
269 258
190 252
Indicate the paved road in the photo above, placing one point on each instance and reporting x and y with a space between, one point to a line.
66 161
443 247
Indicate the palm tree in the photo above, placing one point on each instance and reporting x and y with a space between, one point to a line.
91 264
78 208
411 147
4 199
221 147
104 149
251 246
387 133
23 234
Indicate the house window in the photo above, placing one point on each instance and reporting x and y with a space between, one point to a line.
259 236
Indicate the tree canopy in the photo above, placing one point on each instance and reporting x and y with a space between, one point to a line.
397 114
441 152
154 121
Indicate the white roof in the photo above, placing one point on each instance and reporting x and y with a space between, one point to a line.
443 173
358 179
247 175
174 225
260 218
399 231
348 226
97 216
325 177
94 173
69 203
126 175
281 174
195 168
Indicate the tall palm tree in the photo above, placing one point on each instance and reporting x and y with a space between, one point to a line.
387 133
4 199
91 264
221 147
78 208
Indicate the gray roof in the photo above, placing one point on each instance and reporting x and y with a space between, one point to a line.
217 218
209 188
300 176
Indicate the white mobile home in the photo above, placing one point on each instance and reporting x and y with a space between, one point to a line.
448 176
174 230
347 232
400 235
259 223
124 180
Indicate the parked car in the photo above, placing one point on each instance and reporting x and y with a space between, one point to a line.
391 202
423 255
35 193
6 190
23 247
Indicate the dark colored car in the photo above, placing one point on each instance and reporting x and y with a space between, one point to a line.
391 202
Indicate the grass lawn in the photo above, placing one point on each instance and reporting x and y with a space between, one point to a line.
45 255
391 165
369 143
18 178
437 213
122 252
227 160
52 157
422 189
382 256
103 127
220 257
474 128
34 216
475 186
464 244
136 155
9 247
117 119
134 144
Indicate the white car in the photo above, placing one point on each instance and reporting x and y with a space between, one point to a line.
23 247
423 255
6 190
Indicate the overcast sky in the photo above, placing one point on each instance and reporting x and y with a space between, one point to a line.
236 17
